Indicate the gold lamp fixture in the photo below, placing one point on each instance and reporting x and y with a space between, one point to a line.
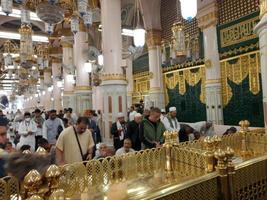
179 39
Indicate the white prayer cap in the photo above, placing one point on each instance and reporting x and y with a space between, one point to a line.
137 115
172 109
163 110
120 115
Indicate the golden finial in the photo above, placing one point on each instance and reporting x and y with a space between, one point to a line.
26 152
32 180
41 151
52 175
35 197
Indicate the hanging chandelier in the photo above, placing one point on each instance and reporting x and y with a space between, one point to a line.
188 9
139 32
26 46
7 6
49 12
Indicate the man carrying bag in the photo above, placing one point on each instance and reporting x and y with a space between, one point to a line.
75 143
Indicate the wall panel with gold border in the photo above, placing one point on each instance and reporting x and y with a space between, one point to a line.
241 88
185 89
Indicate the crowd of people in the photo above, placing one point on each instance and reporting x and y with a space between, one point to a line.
69 138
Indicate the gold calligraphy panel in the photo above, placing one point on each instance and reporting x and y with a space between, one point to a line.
236 70
191 76
141 86
238 33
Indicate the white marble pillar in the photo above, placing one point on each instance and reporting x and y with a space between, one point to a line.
48 104
156 92
56 72
67 60
214 105
113 80
261 30
97 98
82 90
129 77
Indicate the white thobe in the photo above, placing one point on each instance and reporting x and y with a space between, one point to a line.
176 125
167 124
25 139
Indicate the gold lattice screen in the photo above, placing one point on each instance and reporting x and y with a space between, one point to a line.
238 68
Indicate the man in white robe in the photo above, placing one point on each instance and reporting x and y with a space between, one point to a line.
27 130
170 121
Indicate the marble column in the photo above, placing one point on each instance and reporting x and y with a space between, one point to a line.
56 72
129 76
156 92
97 98
48 104
261 30
68 92
82 90
207 20
113 80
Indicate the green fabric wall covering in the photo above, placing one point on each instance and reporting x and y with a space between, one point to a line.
189 107
244 105
141 64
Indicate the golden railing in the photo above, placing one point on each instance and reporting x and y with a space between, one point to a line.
203 169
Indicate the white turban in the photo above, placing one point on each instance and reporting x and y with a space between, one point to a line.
172 109
120 115
137 115
163 110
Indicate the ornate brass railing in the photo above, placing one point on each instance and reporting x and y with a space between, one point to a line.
206 165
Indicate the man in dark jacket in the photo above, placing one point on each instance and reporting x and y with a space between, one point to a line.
152 130
3 141
133 131
3 119
118 131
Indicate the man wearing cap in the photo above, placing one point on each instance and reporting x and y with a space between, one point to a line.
27 130
39 120
133 131
163 114
118 131
170 121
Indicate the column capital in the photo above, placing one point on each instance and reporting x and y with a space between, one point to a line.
55 50
48 70
66 32
263 8
109 77
207 15
153 38
56 60
67 42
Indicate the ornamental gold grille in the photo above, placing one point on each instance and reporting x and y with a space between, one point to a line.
250 182
169 17
203 191
230 10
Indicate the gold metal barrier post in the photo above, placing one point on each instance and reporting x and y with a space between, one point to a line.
170 140
245 151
